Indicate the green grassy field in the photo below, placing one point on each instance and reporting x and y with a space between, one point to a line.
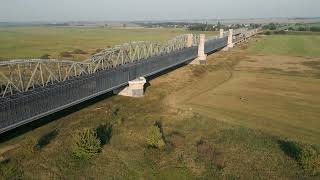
296 45
234 118
33 42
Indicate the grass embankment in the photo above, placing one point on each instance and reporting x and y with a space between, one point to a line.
34 42
227 120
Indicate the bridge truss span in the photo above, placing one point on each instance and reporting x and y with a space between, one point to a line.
34 88
17 76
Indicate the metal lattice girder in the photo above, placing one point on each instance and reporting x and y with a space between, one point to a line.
18 76
239 31
243 34
136 51
21 75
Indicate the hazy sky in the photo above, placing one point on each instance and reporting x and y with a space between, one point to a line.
66 10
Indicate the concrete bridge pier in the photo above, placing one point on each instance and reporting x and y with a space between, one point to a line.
221 33
230 41
202 57
255 31
134 89
190 40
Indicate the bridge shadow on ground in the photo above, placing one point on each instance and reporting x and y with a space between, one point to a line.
50 118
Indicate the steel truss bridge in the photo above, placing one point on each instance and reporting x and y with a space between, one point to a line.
34 88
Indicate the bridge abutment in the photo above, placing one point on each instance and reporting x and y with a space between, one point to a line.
202 57
134 89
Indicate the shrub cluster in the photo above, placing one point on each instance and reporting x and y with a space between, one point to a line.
315 28
46 139
10 170
45 56
307 156
104 133
85 143
65 54
280 32
155 137
309 159
78 51
275 32
271 26
267 33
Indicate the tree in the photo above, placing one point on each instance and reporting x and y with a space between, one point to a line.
219 25
272 26
302 28
315 28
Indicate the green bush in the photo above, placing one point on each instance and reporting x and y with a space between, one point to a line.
309 159
280 32
10 171
86 143
159 125
45 56
104 133
302 29
65 54
267 33
78 51
155 138
46 139
315 28
307 156
270 26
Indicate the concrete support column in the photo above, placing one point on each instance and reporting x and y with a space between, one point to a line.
221 33
230 38
134 89
202 57
190 40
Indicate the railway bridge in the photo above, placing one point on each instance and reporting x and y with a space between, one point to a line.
35 88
